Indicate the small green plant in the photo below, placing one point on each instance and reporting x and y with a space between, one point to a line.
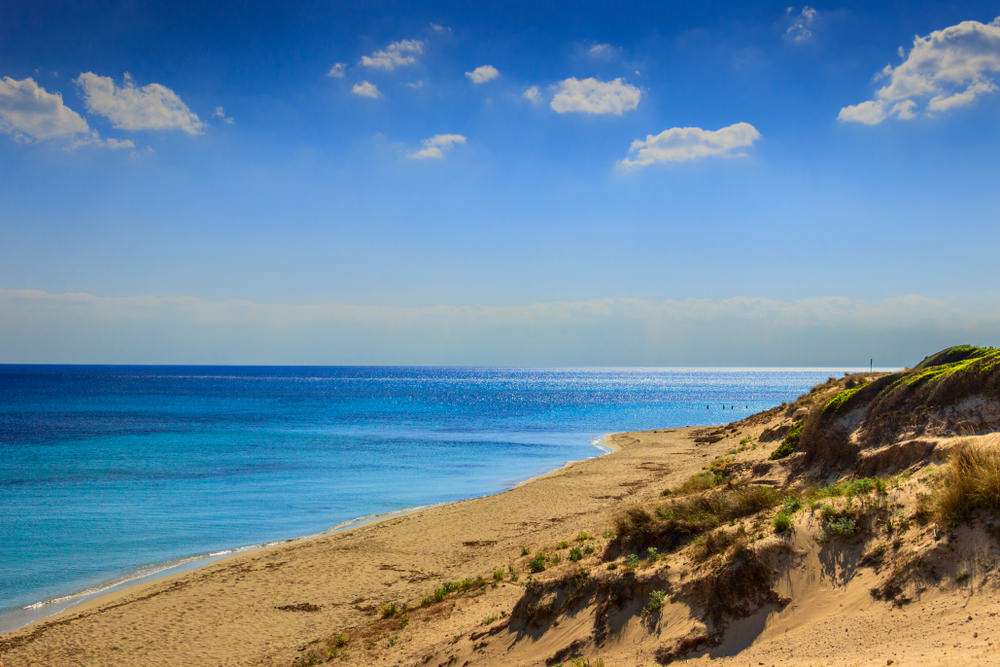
537 564
608 534
652 554
563 545
490 620
632 561
513 572
844 526
583 537
782 522
388 610
575 554
525 551
498 574
790 443
655 603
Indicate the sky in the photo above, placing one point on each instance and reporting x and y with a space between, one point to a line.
704 183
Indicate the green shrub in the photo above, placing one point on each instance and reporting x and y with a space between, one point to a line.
655 604
575 554
563 545
537 564
790 443
498 574
782 523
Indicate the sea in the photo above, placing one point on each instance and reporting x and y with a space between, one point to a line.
114 474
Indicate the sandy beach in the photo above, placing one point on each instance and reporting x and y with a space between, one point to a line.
365 596
229 612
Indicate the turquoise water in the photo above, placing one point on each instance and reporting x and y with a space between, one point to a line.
108 469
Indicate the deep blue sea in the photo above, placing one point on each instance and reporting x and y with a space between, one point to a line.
105 470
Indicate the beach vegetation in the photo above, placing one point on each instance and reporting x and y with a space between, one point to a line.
388 610
575 554
608 534
790 443
652 554
563 545
537 564
969 483
583 537
498 574
782 522
673 524
512 572
655 603
714 542
525 551
696 483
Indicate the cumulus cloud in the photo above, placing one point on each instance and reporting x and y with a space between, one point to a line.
800 24
29 112
83 328
682 144
593 96
396 54
946 70
482 74
129 107
337 70
220 114
434 148
366 89
532 94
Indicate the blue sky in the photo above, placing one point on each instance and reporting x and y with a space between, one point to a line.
508 183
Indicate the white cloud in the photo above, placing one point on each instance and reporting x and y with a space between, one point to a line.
396 54
948 69
220 113
94 139
439 28
681 144
366 89
434 147
128 107
337 70
415 84
593 96
482 74
869 113
602 51
533 94
29 112
800 26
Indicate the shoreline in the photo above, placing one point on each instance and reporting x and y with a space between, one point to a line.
41 610
233 611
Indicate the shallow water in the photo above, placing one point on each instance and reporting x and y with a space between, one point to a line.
108 469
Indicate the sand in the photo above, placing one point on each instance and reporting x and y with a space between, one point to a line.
275 605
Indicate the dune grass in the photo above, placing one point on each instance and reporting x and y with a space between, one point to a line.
969 483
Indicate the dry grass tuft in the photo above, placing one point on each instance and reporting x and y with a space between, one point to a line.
971 482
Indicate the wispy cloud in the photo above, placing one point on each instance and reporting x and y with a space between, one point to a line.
397 54
366 89
800 24
946 70
602 51
130 107
483 73
435 147
682 144
532 94
220 114
595 97
337 70
48 327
